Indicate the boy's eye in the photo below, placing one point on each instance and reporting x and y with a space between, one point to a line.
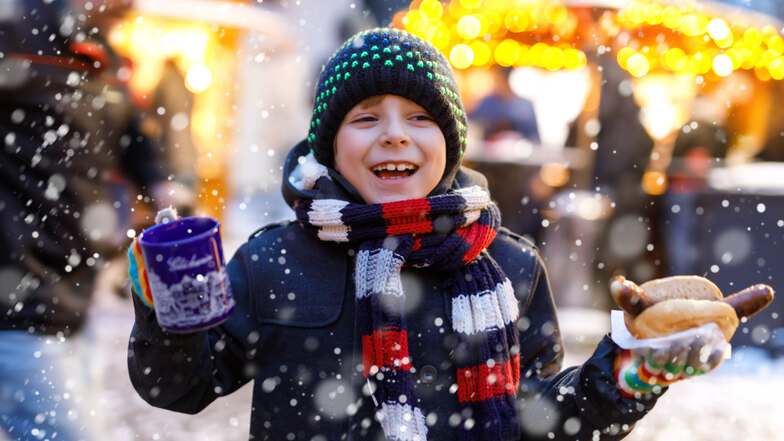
366 118
423 117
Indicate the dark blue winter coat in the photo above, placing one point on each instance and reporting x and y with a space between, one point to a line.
292 332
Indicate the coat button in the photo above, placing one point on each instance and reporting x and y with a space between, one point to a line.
428 374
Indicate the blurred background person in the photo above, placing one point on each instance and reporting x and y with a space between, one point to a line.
503 111
166 121
68 132
699 146
506 123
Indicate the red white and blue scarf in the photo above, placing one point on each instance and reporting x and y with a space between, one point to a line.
448 233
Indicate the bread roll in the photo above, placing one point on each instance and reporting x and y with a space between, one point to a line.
682 287
675 315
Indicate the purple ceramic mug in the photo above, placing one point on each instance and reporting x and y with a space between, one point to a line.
187 274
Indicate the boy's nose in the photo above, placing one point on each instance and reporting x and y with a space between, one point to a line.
395 134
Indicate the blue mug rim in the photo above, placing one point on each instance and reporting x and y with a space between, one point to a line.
170 243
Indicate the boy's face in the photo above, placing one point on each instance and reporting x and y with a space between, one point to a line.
390 149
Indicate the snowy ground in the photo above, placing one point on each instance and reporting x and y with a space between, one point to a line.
128 418
741 401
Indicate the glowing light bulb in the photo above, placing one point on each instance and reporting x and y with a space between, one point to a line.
461 56
553 58
506 52
776 68
516 20
718 29
638 65
690 25
671 17
623 57
431 10
470 4
468 27
776 44
675 59
722 65
554 174
752 37
198 78
556 13
482 53
574 59
654 182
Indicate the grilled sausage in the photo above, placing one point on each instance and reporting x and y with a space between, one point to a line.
751 300
629 296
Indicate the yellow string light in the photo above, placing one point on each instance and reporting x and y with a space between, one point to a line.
677 38
482 32
506 52
461 56
516 20
638 65
675 59
470 4
468 27
553 58
482 53
431 10
689 40
671 17
718 29
556 13
722 65
776 68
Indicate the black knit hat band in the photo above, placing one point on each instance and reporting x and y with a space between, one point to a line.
386 61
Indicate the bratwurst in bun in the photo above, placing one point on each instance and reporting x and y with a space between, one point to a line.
665 306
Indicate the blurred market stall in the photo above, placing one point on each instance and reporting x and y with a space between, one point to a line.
196 42
663 108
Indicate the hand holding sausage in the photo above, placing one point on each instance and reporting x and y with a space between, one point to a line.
664 306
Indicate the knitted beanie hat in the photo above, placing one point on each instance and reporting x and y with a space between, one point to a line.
386 61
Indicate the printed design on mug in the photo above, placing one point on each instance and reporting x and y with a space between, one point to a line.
180 263
190 302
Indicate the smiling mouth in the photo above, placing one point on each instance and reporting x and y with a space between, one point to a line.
391 170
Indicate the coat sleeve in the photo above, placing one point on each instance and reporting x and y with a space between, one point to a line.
186 372
576 403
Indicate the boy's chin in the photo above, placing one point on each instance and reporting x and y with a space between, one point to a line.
383 198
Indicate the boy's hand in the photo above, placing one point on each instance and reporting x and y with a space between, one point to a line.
172 194
641 373
137 272
168 214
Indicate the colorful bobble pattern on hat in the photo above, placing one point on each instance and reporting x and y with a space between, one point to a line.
386 61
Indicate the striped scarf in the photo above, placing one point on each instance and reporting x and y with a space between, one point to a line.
448 233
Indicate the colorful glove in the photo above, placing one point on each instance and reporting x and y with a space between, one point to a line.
138 274
137 270
641 373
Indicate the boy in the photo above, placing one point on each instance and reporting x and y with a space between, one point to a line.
396 308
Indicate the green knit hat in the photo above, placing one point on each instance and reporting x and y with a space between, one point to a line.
387 61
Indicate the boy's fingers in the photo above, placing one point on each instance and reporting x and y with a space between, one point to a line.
714 359
680 352
659 357
698 352
166 215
